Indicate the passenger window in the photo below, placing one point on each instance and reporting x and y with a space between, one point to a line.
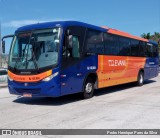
134 48
77 37
111 44
149 48
75 49
142 49
94 42
73 52
124 46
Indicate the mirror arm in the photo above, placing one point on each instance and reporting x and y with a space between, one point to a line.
7 36
3 42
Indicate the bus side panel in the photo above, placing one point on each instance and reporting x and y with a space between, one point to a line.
114 70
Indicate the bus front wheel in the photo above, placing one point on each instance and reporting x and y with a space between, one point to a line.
88 89
140 79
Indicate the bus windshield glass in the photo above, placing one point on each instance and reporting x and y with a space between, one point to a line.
35 49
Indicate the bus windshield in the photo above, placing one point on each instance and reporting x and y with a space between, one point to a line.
35 49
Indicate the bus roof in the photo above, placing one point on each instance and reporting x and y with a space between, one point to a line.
70 23
58 24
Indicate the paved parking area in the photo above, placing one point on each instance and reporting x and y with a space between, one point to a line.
119 107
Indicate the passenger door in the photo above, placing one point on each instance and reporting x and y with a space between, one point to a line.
72 68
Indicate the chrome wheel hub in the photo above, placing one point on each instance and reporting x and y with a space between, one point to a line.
88 88
141 79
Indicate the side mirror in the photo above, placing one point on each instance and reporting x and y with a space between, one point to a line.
3 42
3 46
69 42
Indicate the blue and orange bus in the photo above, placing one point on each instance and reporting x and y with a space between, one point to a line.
65 57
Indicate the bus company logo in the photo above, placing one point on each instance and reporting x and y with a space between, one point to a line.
6 132
117 63
25 73
34 78
19 78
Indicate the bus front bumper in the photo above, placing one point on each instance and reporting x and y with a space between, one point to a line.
38 89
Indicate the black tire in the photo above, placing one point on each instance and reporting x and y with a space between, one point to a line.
88 89
140 78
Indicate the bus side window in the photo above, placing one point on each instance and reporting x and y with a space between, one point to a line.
75 49
111 45
134 47
155 51
124 46
142 49
149 50
94 43
74 52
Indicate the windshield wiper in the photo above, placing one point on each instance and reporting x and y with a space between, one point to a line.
33 55
34 60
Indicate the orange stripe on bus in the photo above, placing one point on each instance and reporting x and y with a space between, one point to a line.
29 78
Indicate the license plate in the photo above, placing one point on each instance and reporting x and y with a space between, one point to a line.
27 95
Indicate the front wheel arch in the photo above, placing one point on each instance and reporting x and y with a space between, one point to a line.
94 77
90 79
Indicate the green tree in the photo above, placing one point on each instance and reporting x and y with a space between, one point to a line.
146 36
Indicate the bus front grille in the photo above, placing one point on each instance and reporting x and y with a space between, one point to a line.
31 91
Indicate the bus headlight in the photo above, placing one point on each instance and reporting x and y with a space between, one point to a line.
10 78
50 77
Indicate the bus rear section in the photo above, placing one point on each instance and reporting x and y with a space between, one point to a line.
115 70
151 68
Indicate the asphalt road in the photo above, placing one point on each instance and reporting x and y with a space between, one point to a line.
119 107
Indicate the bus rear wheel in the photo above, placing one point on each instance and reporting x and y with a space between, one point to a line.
88 89
140 79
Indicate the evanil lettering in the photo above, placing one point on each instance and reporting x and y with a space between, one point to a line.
116 62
